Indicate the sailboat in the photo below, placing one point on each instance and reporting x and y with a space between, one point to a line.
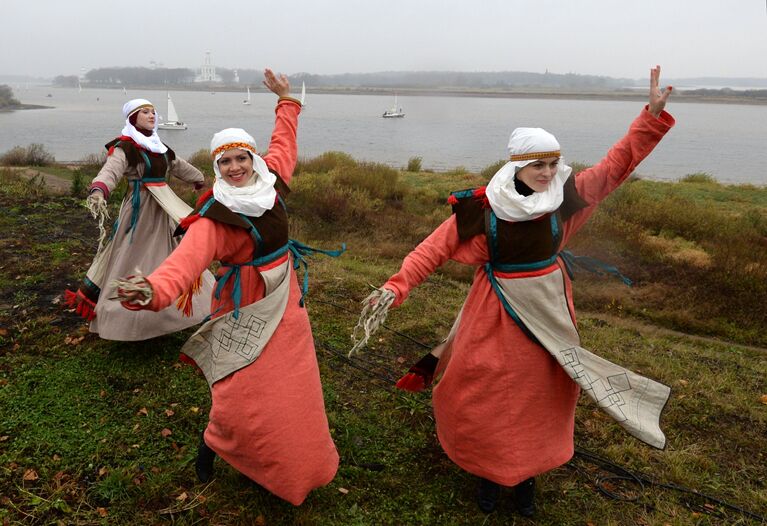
247 101
394 112
172 123
125 92
303 94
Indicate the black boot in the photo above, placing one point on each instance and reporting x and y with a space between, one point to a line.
524 497
203 466
487 496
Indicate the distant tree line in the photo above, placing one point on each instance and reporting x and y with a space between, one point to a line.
6 97
65 81
458 79
139 76
750 93
119 76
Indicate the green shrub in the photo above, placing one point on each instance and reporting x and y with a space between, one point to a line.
324 163
202 161
414 164
316 196
489 171
78 184
700 177
377 180
33 155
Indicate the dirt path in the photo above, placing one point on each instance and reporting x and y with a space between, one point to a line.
57 185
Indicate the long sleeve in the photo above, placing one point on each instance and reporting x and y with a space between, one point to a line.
283 149
198 248
596 183
111 173
187 173
441 245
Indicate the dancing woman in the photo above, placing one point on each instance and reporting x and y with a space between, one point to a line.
512 366
143 234
267 417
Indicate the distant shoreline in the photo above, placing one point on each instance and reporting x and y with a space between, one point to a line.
638 95
14 107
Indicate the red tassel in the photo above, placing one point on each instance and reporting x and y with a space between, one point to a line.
184 303
188 220
411 382
110 151
480 193
204 197
452 200
82 305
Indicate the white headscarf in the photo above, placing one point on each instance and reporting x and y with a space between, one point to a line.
151 143
258 194
526 145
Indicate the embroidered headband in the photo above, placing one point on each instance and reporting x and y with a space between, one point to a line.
534 155
232 146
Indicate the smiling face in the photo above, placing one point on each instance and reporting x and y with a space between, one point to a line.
236 167
145 119
539 173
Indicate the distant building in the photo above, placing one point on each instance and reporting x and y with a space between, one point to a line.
207 71
236 78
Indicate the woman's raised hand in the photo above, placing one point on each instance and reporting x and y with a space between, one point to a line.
657 98
277 85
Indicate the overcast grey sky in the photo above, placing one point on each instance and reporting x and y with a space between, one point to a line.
618 38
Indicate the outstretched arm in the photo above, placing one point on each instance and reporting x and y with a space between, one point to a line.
283 150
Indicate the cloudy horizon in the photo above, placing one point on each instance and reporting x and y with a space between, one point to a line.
704 38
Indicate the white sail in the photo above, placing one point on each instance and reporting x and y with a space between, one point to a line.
247 101
172 115
303 92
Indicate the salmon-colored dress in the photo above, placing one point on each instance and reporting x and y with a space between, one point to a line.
504 408
267 419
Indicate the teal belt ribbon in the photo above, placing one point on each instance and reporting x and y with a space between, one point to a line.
136 201
299 251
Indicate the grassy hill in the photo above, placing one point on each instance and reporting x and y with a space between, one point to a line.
99 432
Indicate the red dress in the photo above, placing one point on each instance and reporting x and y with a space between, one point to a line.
267 419
504 408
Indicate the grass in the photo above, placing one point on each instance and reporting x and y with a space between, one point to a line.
83 422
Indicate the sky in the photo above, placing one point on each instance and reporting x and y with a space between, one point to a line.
616 38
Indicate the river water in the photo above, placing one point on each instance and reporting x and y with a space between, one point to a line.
728 141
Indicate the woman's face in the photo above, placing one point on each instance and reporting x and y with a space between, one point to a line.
145 119
538 174
236 167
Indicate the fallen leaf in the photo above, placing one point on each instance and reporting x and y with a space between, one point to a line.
709 506
56 458
30 474
763 399
169 412
194 409
182 497
102 393
260 521
166 432
136 390
102 512
143 411
400 360
137 481
135 446
175 404
60 475
4 438
683 383
3 332
135 428
343 490
103 471
155 470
